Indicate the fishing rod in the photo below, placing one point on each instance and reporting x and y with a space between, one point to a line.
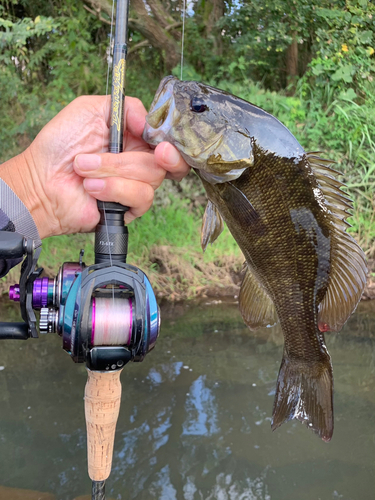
106 313
103 390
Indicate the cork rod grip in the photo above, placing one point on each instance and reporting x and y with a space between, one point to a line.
102 406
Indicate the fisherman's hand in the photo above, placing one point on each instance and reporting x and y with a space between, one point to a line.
65 170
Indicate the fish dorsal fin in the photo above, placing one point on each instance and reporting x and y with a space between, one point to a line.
212 225
256 307
348 262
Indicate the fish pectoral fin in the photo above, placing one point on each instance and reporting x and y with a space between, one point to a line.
240 208
305 391
348 262
212 225
256 307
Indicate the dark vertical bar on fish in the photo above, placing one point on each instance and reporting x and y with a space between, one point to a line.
118 79
98 490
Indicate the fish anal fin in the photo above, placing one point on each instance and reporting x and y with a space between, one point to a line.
348 262
305 391
212 225
256 307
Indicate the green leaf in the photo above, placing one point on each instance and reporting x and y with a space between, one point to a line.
344 73
365 37
317 70
348 95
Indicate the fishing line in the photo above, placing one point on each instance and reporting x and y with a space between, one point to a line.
183 35
109 61
98 487
106 93
109 246
112 321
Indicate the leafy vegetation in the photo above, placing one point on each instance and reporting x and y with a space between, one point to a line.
309 63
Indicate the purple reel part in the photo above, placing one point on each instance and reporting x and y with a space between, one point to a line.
14 293
67 274
43 292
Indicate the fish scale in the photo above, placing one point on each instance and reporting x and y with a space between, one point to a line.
273 250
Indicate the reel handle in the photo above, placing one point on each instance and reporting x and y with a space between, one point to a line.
102 406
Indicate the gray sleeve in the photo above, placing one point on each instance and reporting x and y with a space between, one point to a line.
15 217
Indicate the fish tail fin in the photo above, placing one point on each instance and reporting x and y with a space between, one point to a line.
305 391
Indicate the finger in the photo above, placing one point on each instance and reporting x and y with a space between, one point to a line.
138 196
135 165
134 112
171 160
135 116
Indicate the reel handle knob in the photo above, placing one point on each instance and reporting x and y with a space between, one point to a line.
102 406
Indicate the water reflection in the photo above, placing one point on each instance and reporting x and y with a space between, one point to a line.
195 417
201 410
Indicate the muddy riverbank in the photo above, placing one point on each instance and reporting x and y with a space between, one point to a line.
176 278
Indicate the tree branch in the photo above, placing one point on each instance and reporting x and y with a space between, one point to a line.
138 46
97 14
173 26
161 15
157 36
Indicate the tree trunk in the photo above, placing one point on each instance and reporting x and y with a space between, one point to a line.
214 10
292 65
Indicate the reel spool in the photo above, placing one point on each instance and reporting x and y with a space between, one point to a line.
112 321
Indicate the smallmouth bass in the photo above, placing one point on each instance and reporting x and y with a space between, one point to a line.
287 213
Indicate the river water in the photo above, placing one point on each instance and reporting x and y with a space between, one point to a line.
195 416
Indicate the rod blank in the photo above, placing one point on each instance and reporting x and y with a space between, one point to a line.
98 490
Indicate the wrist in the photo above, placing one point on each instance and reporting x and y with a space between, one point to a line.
20 175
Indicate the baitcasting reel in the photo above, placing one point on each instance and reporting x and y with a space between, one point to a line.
106 314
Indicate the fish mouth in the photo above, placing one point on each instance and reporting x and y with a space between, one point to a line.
159 120
159 115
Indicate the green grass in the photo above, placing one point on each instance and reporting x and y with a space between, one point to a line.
66 248
173 225
176 224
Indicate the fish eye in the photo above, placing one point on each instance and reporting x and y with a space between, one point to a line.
197 105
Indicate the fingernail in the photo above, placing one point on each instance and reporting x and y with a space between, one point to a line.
172 157
94 185
88 162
